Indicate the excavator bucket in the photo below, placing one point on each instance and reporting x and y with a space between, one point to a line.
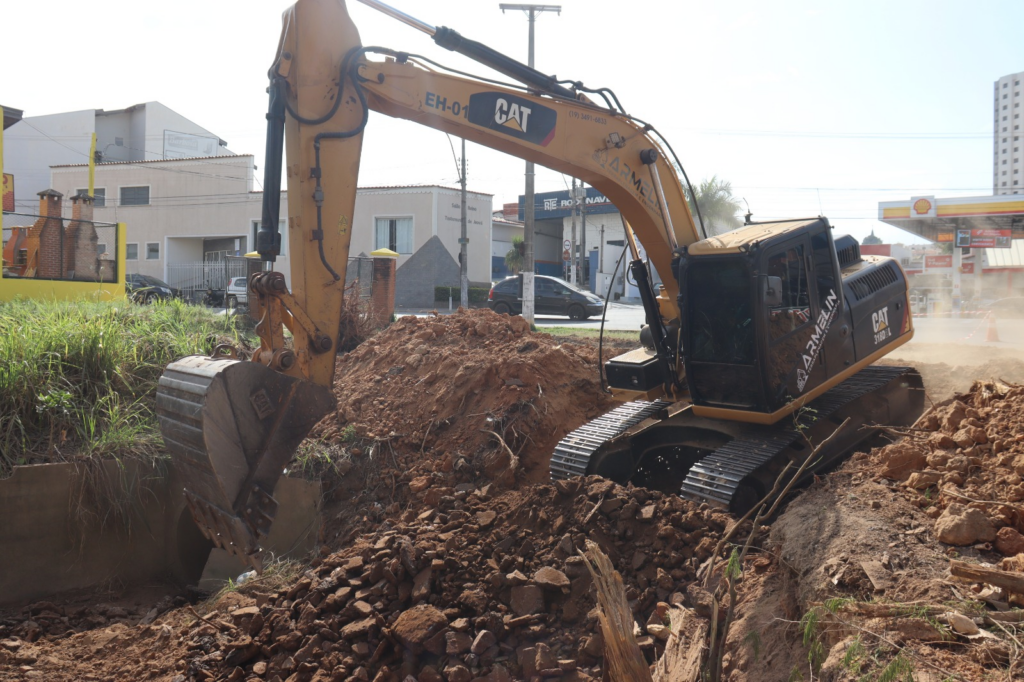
231 427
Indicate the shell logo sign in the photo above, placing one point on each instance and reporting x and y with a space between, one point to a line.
922 207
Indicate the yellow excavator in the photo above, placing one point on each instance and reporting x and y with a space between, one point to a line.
757 342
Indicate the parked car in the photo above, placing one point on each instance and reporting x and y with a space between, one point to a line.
552 296
148 289
237 292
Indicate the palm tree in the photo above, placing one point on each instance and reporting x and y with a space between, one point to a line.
514 257
718 207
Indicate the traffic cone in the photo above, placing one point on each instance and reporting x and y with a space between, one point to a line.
993 334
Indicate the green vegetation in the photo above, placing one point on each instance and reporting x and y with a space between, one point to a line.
514 257
476 294
78 378
718 207
586 333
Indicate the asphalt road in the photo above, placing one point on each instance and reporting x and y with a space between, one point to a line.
621 316
960 331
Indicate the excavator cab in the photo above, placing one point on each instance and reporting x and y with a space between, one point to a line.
770 322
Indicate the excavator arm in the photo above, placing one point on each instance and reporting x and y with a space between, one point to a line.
233 424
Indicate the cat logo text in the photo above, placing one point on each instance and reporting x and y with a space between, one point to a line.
880 323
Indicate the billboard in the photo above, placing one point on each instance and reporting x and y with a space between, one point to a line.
184 145
983 239
935 262
552 205
8 192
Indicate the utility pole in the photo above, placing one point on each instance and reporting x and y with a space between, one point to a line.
464 241
573 259
528 223
584 256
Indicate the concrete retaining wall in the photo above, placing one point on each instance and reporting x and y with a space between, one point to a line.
54 539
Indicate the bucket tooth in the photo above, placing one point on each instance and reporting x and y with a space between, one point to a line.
231 427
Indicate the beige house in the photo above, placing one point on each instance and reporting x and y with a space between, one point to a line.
186 216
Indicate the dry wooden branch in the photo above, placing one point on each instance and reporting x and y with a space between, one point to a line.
513 461
951 493
1014 582
683 659
778 498
624 662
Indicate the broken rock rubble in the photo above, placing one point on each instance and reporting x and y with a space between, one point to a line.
451 598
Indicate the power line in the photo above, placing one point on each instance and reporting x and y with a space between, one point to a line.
844 135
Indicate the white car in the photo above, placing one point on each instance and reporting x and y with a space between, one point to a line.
237 293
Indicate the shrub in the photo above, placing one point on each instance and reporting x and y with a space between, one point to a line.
476 294
78 378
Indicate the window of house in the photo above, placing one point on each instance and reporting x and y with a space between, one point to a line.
135 196
101 249
131 252
282 229
21 258
99 195
394 234
152 250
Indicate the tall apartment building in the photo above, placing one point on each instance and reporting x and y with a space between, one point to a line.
1007 157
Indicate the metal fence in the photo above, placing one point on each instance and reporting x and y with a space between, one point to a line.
360 270
71 251
193 279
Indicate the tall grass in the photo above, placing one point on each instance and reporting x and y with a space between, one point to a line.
78 379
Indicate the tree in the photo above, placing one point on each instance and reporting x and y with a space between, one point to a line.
718 207
514 256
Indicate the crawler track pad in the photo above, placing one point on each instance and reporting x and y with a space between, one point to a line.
231 427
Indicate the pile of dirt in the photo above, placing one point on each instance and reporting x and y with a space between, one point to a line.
864 585
454 384
445 557
964 465
471 587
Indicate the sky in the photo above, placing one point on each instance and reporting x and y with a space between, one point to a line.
807 108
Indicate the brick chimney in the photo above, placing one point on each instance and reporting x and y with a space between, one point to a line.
49 228
81 260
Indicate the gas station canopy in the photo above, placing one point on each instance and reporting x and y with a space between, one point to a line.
979 222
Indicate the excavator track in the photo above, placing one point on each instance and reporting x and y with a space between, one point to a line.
743 468
572 454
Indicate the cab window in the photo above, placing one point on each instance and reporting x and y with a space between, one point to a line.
824 273
794 310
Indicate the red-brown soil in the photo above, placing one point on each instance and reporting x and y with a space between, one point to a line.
446 557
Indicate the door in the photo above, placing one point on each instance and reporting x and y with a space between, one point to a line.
562 296
795 364
544 300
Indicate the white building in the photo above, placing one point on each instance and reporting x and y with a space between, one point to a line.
601 243
184 216
143 132
1007 154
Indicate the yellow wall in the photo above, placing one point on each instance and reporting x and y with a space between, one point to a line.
11 288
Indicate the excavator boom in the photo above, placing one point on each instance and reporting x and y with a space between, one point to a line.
233 423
